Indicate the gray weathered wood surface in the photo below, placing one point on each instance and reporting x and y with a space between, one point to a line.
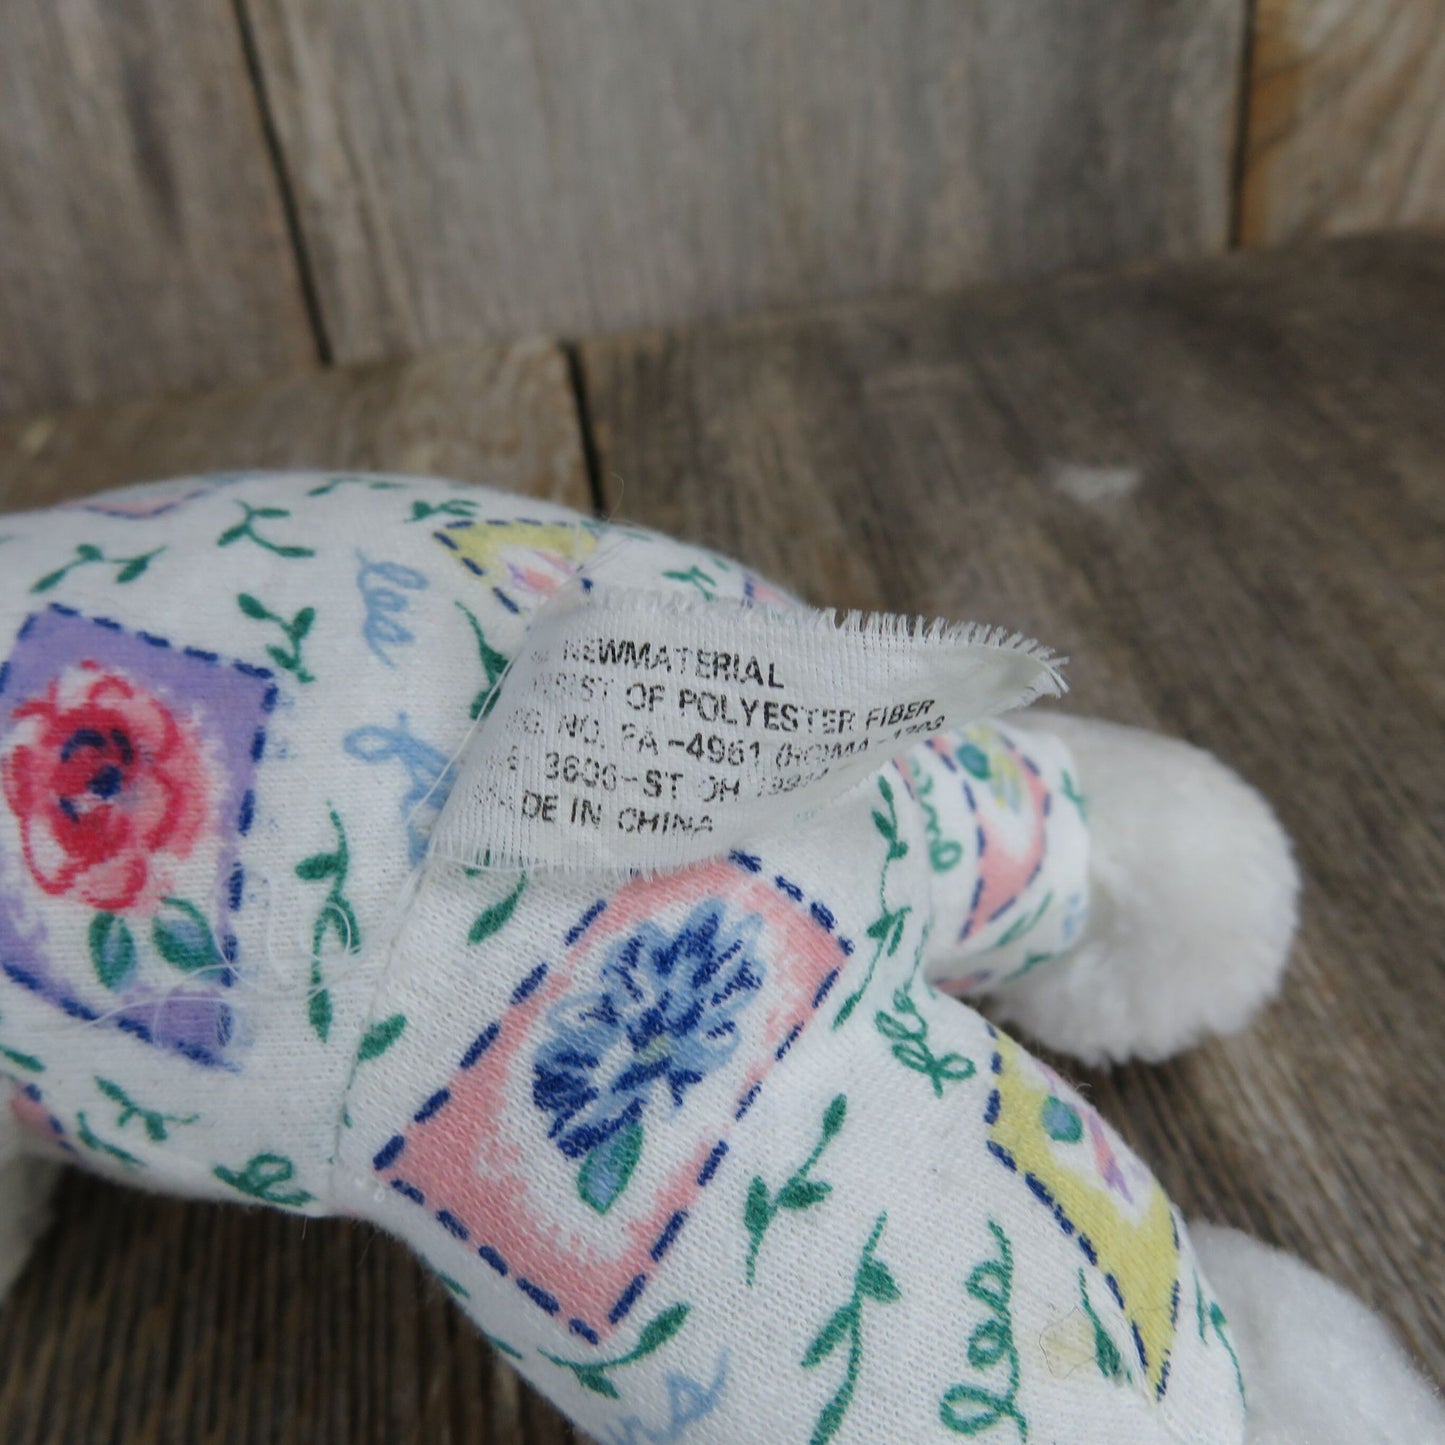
201 193
1221 490
501 416
143 244
1220 487
1345 118
481 169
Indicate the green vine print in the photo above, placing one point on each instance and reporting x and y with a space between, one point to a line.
336 916
85 554
494 919
608 1169
28 1062
1023 924
696 577
1070 790
907 1033
88 1138
798 1193
593 1374
886 930
969 1409
1219 1323
380 1037
246 528
263 1178
179 933
1107 1355
153 1121
1033 960
453 507
19 1060
287 659
872 1280
943 853
372 484
500 1346
454 1286
494 664
374 1043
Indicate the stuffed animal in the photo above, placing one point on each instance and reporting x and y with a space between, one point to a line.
575 906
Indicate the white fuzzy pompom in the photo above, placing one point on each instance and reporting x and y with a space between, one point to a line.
1192 910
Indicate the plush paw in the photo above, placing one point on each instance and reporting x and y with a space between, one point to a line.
1321 1369
1193 891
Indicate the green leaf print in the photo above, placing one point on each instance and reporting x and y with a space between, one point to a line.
887 930
494 919
112 949
608 1168
593 1374
183 937
288 659
494 664
336 918
264 1177
800 1191
245 529
129 568
872 1280
380 1037
152 1120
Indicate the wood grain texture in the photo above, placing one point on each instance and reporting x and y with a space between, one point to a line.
143 243
1346 118
474 169
1220 489
145 1321
151 1322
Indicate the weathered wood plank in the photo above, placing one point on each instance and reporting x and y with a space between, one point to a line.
501 416
1346 118
145 1320
486 169
151 1321
143 243
1219 489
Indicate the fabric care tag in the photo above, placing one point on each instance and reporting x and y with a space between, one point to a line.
635 731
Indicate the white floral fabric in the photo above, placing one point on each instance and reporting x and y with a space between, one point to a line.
704 1153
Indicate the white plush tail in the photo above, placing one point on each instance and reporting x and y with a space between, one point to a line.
25 1185
1319 1368
1192 907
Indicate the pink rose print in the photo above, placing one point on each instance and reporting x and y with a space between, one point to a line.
107 785
128 773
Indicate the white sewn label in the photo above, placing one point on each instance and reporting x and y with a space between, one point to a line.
634 731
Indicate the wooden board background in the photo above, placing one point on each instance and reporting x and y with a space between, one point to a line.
217 190
1346 107
500 416
143 244
472 169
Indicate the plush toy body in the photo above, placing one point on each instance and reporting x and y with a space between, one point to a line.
702 1148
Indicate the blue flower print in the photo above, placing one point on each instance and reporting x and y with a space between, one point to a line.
663 1016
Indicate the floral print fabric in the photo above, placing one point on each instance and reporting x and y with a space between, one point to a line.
705 1154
